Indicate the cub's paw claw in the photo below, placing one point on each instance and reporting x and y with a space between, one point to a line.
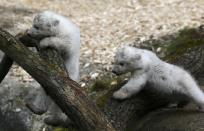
120 95
43 45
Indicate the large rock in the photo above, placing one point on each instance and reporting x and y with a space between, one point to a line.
14 115
169 120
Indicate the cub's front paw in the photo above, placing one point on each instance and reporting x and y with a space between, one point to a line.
120 94
44 43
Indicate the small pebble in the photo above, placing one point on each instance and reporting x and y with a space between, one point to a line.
113 82
86 65
94 76
18 110
83 84
158 49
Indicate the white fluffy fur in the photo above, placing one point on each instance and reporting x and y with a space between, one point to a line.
58 32
145 67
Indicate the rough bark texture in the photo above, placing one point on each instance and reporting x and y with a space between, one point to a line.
65 92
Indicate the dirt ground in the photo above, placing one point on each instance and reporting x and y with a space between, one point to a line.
105 24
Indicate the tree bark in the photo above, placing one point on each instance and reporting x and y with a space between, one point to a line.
55 81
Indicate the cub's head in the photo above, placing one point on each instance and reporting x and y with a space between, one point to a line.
127 59
45 24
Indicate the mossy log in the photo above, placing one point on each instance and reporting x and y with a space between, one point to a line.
54 79
145 110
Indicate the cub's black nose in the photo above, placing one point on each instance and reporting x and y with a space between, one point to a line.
28 33
114 72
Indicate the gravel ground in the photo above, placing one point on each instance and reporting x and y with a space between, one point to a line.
105 25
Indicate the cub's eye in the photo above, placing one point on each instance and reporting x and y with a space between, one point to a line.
121 64
36 27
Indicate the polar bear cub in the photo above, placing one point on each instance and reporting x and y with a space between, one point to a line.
145 66
58 32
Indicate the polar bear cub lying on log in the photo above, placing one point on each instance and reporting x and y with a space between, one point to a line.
58 32
145 67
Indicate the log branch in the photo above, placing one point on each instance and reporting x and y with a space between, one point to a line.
6 62
5 65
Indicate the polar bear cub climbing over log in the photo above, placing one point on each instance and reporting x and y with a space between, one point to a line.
145 67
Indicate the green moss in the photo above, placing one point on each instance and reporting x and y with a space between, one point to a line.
186 38
100 102
175 45
100 85
105 89
64 129
60 129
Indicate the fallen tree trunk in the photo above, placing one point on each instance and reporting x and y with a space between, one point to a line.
55 81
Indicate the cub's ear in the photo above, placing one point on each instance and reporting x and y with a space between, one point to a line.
136 57
120 52
37 18
55 22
